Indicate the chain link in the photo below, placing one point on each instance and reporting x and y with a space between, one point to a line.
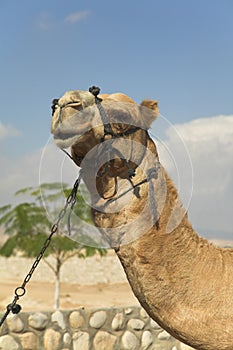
21 290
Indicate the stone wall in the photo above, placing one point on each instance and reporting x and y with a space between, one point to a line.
86 329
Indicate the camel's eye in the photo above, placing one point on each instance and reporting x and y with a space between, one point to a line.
54 105
73 104
77 105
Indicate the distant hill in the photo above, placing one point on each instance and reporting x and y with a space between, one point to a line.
215 234
222 243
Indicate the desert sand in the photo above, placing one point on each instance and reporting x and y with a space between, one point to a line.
92 282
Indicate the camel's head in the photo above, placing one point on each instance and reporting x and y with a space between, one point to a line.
77 121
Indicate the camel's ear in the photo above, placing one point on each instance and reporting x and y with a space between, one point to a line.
152 105
150 111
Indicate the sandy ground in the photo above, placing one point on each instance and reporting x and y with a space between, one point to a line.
91 282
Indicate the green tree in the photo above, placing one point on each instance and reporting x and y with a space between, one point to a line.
28 225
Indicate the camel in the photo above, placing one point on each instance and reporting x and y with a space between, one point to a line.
182 281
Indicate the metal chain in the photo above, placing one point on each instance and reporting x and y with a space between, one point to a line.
21 290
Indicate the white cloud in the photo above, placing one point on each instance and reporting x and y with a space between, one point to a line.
44 21
77 16
203 130
7 131
208 143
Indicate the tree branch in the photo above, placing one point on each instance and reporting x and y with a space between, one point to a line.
69 256
50 265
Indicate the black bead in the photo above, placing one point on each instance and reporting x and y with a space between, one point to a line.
16 309
95 90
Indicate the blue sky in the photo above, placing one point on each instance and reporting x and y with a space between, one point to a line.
177 51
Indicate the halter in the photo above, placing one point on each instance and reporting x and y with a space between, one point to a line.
94 90
151 173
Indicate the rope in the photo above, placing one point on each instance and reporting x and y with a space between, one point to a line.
153 174
107 126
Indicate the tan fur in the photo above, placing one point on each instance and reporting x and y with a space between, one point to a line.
182 281
118 96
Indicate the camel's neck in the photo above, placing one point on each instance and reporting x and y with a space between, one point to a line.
183 282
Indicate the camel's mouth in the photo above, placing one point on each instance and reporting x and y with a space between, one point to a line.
72 117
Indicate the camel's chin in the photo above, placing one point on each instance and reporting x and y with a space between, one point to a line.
67 142
76 138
